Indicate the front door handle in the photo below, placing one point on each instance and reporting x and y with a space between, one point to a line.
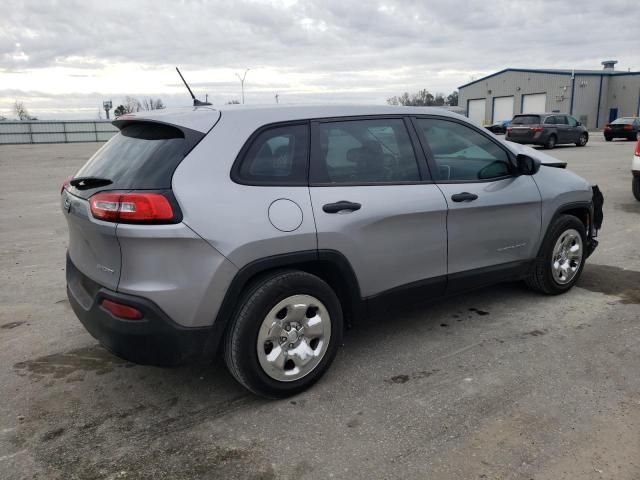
464 197
341 206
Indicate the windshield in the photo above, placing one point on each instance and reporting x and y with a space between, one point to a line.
526 120
142 156
623 121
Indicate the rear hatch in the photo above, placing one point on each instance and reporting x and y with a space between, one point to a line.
524 127
141 158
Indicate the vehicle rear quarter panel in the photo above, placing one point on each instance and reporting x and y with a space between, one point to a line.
176 269
234 218
560 188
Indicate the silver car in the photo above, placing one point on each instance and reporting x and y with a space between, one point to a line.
262 232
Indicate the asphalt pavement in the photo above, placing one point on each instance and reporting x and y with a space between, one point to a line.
500 383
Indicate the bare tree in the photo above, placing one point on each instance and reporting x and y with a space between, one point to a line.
21 111
131 105
151 104
422 98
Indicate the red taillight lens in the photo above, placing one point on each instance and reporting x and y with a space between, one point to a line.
536 129
607 127
637 152
509 130
131 207
65 184
121 311
628 128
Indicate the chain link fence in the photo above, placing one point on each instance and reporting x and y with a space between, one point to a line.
73 131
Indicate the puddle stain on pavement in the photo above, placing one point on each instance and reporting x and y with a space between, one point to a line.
609 280
60 365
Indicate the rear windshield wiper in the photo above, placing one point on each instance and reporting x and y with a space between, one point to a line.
83 183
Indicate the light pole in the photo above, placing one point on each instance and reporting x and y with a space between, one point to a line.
241 78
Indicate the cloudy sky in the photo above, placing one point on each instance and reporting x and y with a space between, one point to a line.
62 58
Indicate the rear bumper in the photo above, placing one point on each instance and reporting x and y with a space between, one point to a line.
153 340
627 135
635 165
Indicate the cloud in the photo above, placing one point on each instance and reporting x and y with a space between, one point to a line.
313 49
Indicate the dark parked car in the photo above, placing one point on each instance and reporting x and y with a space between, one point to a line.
623 127
547 129
499 127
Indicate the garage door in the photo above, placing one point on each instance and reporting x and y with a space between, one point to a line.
535 103
476 111
502 109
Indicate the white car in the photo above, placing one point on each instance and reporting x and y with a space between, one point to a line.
635 170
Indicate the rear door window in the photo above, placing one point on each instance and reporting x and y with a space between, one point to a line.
364 152
276 156
550 121
561 119
143 156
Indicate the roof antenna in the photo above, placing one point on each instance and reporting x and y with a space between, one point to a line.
196 102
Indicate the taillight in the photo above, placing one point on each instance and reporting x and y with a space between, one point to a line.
637 152
628 127
509 129
136 207
607 127
121 311
536 129
65 185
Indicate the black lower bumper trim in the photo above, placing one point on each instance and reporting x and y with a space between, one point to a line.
153 340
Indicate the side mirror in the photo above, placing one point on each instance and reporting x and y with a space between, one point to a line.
527 165
579 124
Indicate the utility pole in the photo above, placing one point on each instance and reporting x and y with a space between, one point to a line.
241 78
277 97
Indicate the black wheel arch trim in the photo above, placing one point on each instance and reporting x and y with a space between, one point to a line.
330 265
590 228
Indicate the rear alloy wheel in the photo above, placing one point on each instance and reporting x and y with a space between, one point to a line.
635 186
561 257
285 334
582 140
608 138
550 143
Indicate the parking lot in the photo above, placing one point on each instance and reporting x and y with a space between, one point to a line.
500 383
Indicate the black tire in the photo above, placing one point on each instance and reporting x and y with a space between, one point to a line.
541 278
240 352
551 142
608 138
635 187
582 140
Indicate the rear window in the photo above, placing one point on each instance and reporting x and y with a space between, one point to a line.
526 120
622 121
142 156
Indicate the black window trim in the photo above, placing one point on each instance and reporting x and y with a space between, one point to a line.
235 175
423 170
434 167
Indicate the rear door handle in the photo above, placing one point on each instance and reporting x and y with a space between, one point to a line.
464 197
342 205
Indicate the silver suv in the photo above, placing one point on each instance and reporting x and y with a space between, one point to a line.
262 232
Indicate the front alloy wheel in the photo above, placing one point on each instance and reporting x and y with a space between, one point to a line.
561 257
567 256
